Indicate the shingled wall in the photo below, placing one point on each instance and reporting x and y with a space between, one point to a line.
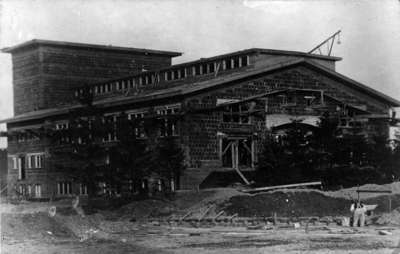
203 147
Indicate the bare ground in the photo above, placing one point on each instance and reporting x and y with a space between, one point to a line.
28 228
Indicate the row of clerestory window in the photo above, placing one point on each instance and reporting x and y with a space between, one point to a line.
152 78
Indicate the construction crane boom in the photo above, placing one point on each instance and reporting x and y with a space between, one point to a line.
329 42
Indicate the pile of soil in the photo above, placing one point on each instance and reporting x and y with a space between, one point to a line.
286 204
143 209
198 202
392 218
35 225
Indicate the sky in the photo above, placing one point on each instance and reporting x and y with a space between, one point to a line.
370 38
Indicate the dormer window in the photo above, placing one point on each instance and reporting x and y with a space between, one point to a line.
176 74
197 70
236 62
228 64
211 67
168 75
204 69
245 60
223 64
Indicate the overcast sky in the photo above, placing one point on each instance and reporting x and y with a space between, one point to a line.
370 30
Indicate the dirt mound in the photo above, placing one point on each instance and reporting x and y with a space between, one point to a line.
195 202
36 225
84 227
286 204
143 209
198 202
392 218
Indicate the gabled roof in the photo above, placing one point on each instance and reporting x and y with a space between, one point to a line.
237 77
37 42
197 87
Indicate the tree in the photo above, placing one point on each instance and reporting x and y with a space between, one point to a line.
131 159
287 158
326 154
169 158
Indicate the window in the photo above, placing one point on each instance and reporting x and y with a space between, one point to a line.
35 160
236 114
110 122
140 81
21 189
83 189
236 62
228 64
29 190
245 60
176 74
197 70
223 64
38 190
169 75
62 126
204 69
283 99
168 126
64 188
21 168
211 67
117 86
138 118
132 83
309 100
15 162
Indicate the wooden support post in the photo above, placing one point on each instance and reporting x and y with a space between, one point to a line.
186 215
253 153
220 141
233 216
219 214
205 213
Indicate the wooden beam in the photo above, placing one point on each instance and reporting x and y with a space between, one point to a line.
374 191
242 176
284 186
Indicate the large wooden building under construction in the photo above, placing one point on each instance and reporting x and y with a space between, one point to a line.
224 104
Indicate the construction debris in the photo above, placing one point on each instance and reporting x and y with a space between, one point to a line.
286 186
384 232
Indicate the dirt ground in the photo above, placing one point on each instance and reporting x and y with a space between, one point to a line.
133 227
216 240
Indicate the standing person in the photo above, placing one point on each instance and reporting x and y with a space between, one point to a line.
358 209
